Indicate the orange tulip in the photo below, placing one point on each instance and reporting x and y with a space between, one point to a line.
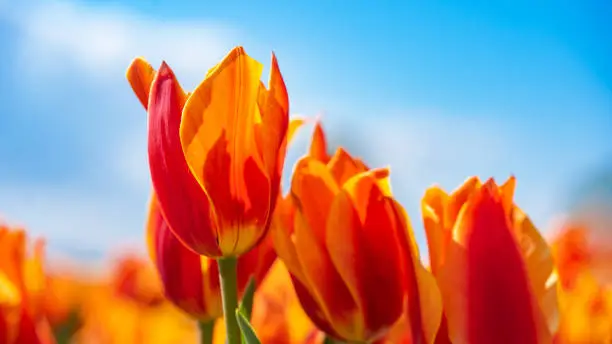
472 235
585 293
134 278
191 281
21 290
108 317
216 155
350 252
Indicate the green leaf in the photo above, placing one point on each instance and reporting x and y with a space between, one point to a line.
246 305
248 333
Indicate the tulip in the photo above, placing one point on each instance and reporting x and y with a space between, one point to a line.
191 281
451 221
136 280
350 252
216 155
108 317
21 290
585 292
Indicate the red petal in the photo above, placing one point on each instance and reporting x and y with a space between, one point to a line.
181 272
499 300
184 203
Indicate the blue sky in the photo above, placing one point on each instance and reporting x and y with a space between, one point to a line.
437 91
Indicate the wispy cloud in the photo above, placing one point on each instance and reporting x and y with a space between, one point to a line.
72 58
59 37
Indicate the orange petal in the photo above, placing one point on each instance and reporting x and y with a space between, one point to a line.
313 188
318 146
507 193
343 166
140 75
282 229
313 309
185 205
324 284
433 207
423 295
572 255
500 307
362 238
458 198
218 138
294 125
274 111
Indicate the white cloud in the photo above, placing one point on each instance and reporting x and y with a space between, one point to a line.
61 45
101 41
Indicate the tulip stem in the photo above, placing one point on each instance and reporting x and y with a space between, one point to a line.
207 329
229 296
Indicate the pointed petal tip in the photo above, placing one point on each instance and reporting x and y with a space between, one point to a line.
164 68
165 72
237 50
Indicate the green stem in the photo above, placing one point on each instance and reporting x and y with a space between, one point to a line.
207 329
229 295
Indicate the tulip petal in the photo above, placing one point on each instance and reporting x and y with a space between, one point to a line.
451 280
218 138
507 193
185 205
294 125
318 146
537 254
457 200
539 264
274 111
438 236
424 296
343 166
180 270
140 75
312 308
282 230
323 281
361 240
313 188
499 308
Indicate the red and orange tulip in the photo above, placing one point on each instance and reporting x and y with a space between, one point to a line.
472 236
216 155
350 252
135 278
22 284
191 281
585 291
110 317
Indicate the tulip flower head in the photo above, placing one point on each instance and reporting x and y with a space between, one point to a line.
345 241
191 281
473 234
216 155
22 283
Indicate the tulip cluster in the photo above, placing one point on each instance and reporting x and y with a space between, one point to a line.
233 259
